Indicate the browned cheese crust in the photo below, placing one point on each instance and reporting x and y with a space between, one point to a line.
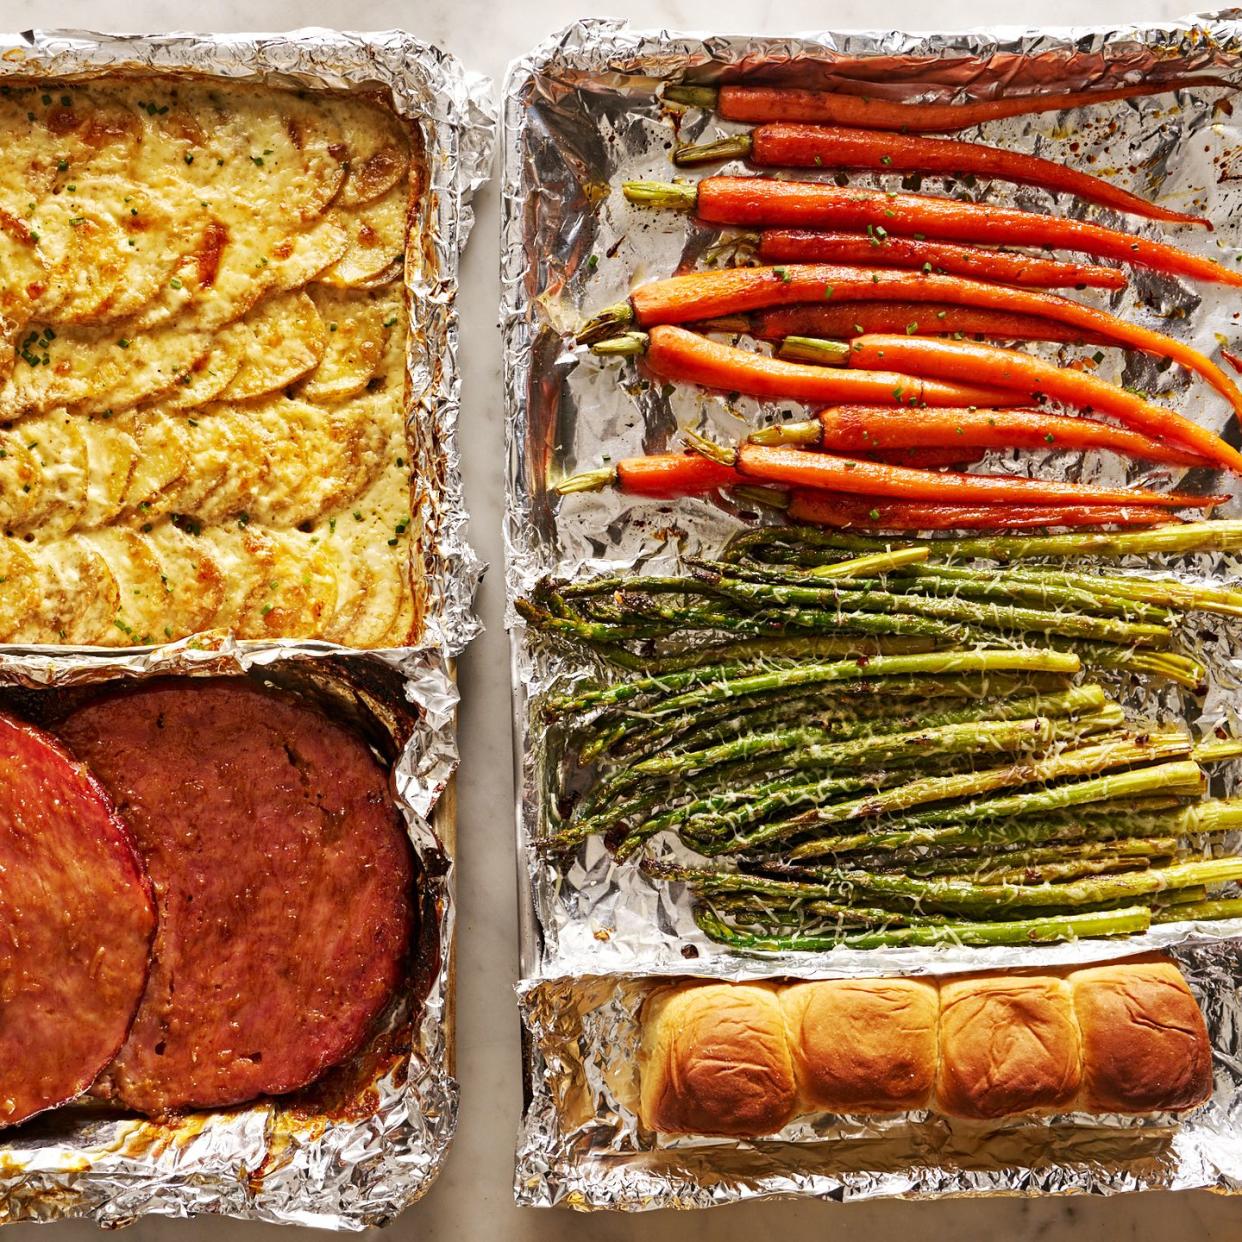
1008 1044
863 1045
283 877
1144 1042
77 915
715 1060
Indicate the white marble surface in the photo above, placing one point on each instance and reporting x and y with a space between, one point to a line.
472 1201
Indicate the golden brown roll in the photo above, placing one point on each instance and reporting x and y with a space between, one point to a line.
1144 1043
715 1059
1008 1044
862 1045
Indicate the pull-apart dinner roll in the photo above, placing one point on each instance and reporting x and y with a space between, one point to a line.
862 1045
1008 1044
1144 1043
715 1060
745 1059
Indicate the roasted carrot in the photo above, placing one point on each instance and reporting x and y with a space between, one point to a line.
1005 267
925 457
766 202
790 145
915 318
796 468
1035 378
660 476
707 295
876 513
675 354
759 104
878 429
670 476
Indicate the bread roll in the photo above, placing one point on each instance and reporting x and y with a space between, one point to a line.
1144 1043
1008 1044
715 1060
862 1045
745 1059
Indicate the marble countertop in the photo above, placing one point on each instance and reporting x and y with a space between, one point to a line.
472 1201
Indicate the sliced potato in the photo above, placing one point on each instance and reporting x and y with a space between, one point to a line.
378 146
57 443
80 249
19 587
359 327
163 460
298 597
141 607
212 374
21 480
284 339
96 370
245 555
377 234
193 582
111 458
78 597
285 154
228 454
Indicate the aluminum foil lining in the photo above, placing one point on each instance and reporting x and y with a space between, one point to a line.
267 1161
581 1144
455 111
367 1149
581 115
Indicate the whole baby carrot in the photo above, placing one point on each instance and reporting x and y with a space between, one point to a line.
883 249
759 104
696 296
685 357
879 513
796 468
878 429
1033 377
792 145
766 202
661 476
915 318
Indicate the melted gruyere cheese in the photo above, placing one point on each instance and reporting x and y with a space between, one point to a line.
202 364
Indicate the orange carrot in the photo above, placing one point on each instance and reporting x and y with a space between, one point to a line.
875 513
730 291
1035 378
796 468
668 475
925 457
758 104
765 202
914 318
790 145
878 429
809 246
685 357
